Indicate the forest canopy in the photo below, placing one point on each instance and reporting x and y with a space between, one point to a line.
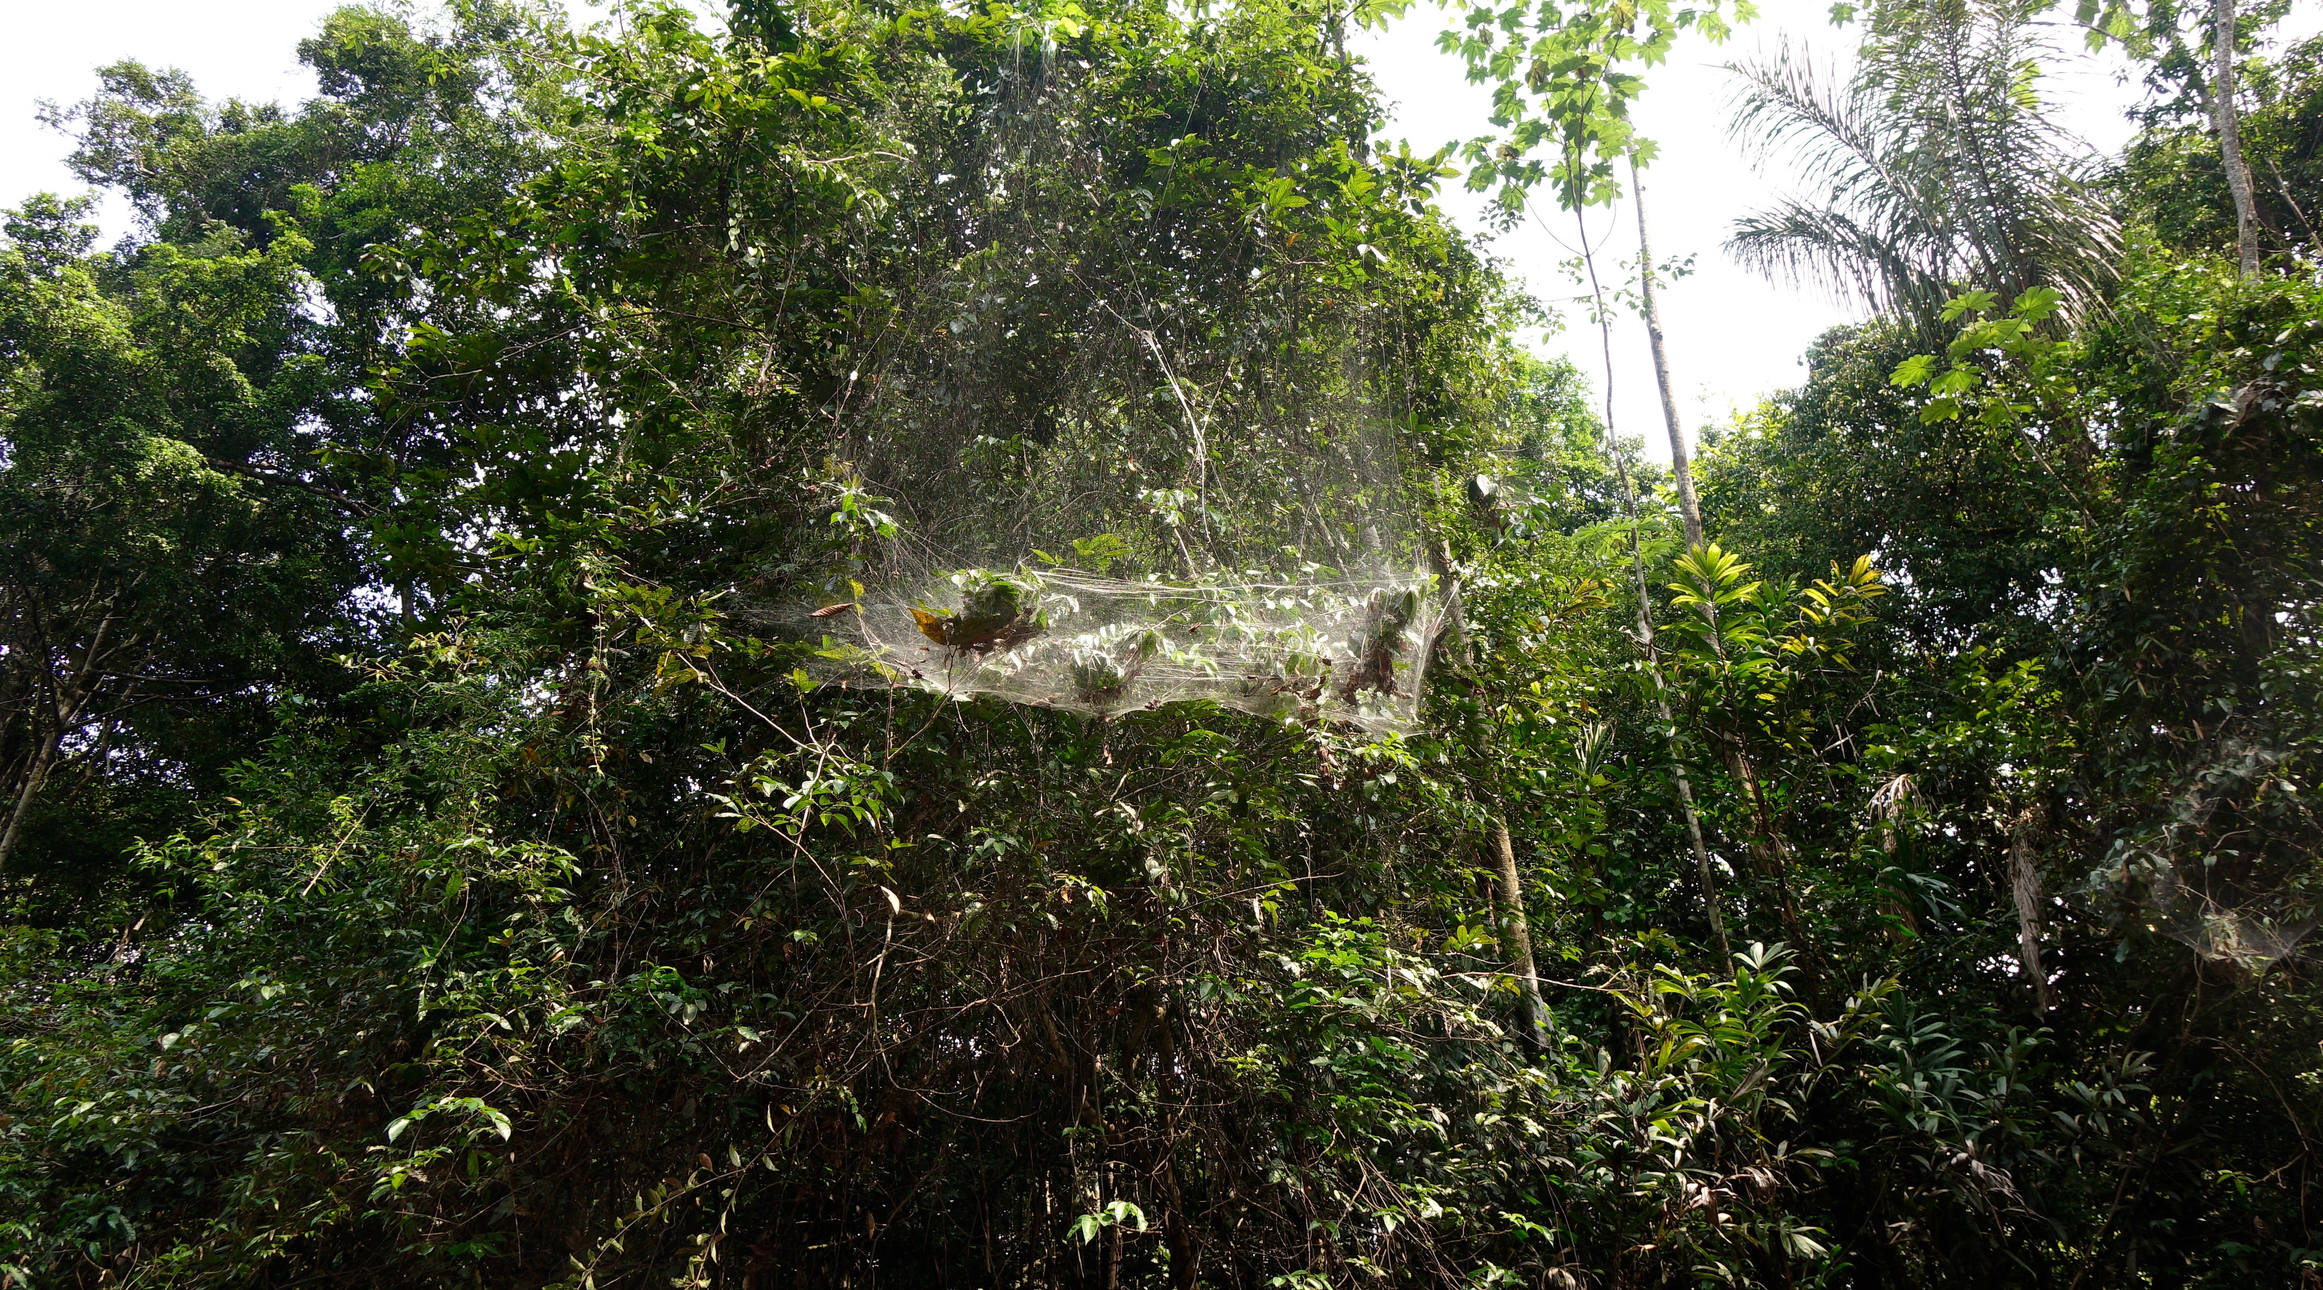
961 646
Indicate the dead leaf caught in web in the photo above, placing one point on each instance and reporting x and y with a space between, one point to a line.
932 626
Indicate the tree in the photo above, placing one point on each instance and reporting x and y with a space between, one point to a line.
1935 915
1559 89
2174 177
162 579
980 259
1681 467
2226 119
1942 169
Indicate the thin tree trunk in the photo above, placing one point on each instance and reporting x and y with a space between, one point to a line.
1701 855
1113 1259
1769 848
2227 119
1688 504
1645 621
1515 929
2024 882
23 807
1888 806
62 714
1517 941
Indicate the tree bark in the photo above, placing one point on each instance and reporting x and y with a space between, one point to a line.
1517 942
1645 636
2226 118
1701 855
1645 619
23 807
2024 883
1769 849
63 711
1888 806
1680 465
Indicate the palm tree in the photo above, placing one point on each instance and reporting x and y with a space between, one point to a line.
1939 170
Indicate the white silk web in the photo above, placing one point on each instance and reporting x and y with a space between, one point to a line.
1331 649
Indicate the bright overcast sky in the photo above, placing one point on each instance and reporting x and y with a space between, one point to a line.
1732 337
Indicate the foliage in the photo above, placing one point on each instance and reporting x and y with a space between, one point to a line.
159 579
447 870
1561 87
1931 166
2172 177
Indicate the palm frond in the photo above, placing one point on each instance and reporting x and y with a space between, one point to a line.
1808 245
1932 169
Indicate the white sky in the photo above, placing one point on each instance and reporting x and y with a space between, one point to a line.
1732 337
244 49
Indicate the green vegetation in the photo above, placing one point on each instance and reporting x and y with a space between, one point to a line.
449 840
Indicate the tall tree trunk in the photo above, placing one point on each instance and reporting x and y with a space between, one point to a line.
1516 940
1645 619
1690 507
1769 849
2024 884
23 807
2226 118
1515 931
63 710
1888 806
1701 856
1680 465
